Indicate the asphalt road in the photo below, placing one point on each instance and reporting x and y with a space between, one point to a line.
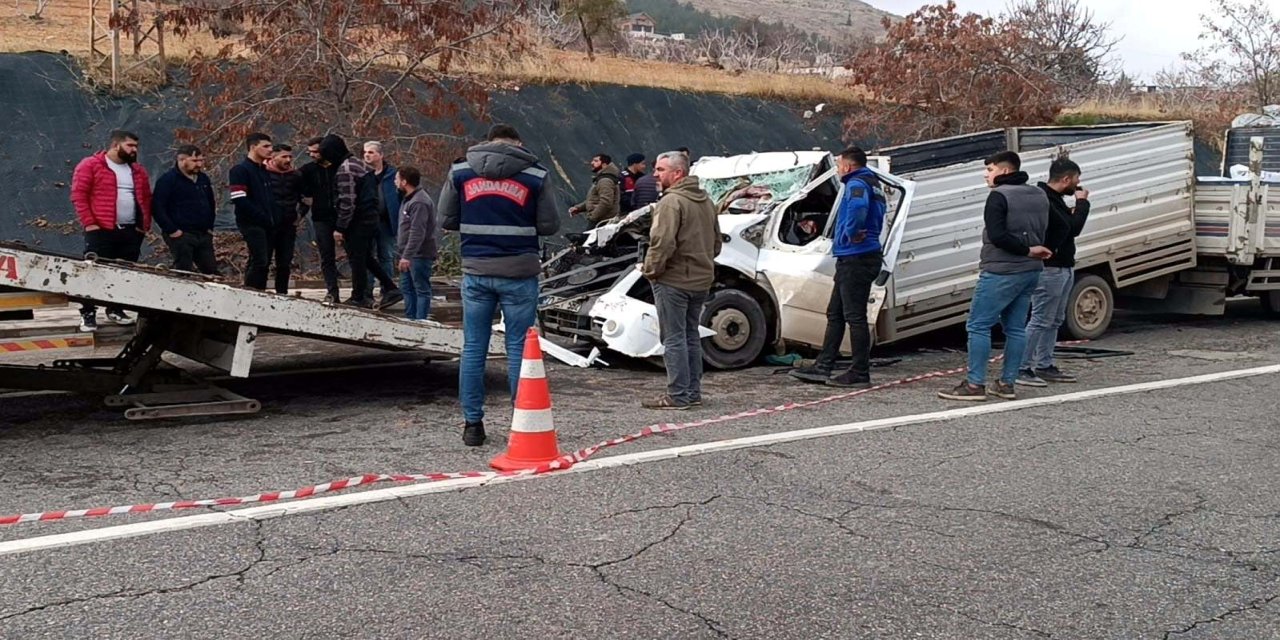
1151 515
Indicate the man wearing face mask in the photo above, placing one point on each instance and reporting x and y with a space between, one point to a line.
184 209
111 194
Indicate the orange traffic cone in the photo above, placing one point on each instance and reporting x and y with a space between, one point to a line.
533 431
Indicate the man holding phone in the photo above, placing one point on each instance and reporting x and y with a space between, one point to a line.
1052 294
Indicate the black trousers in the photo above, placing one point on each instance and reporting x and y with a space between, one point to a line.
359 240
112 244
848 307
193 250
264 244
328 249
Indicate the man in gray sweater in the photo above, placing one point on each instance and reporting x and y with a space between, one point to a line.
1013 253
415 242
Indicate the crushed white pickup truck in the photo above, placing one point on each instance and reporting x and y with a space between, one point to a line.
772 282
1158 238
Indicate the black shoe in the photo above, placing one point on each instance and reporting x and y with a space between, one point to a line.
88 324
363 304
965 392
473 434
331 298
121 318
1028 378
1051 373
849 380
812 375
390 298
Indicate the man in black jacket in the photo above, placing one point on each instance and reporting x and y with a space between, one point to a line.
1053 292
356 202
257 213
286 186
317 198
183 205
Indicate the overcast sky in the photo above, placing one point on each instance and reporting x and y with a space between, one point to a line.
1154 32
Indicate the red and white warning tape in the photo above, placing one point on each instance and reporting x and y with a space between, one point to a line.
559 464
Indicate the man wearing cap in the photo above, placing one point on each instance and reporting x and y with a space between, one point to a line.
631 175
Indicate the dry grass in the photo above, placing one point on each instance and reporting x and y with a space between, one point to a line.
565 67
66 28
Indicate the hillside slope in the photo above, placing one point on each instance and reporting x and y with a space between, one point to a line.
828 18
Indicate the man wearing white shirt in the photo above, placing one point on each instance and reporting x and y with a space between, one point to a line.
112 197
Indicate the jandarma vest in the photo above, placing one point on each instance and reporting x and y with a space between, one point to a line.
499 216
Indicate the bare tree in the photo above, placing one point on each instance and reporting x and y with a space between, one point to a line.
1066 42
1241 50
596 18
552 28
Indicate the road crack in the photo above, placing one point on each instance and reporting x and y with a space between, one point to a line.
1254 605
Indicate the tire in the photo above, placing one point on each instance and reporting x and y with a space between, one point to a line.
1089 308
740 327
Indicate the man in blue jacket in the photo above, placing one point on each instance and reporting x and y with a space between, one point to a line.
183 206
257 213
499 201
858 256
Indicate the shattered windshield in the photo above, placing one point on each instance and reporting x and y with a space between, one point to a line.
780 184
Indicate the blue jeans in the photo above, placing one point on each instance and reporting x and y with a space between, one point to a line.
481 298
679 315
1005 299
416 286
384 248
1048 310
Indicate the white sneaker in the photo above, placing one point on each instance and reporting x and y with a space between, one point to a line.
121 318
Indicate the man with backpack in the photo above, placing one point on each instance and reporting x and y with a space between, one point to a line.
356 201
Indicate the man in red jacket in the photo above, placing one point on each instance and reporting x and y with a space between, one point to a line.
112 196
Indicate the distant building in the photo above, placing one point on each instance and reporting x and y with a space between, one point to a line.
638 25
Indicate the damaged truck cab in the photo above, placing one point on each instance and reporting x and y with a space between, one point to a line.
774 274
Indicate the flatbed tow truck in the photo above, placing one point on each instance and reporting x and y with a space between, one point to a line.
193 316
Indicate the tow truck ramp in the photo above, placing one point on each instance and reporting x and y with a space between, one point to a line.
193 316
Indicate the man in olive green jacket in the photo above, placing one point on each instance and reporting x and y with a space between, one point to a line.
680 264
604 198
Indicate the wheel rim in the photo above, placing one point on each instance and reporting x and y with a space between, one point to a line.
1090 309
732 328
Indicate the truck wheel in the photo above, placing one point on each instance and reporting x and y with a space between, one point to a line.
1089 308
740 328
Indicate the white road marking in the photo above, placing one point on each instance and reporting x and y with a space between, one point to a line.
266 512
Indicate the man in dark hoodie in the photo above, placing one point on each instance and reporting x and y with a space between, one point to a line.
1049 302
684 241
1015 220
603 199
858 254
356 203
183 206
286 186
415 242
499 201
317 197
257 213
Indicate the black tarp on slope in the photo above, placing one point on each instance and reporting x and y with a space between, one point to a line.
47 124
